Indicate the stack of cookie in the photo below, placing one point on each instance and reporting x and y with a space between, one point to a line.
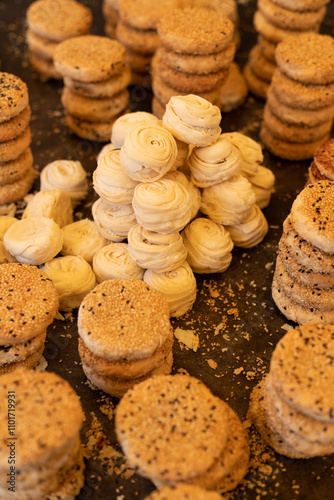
137 31
95 84
322 166
110 14
50 23
16 160
46 450
299 111
194 56
29 304
174 430
125 335
292 407
303 283
274 20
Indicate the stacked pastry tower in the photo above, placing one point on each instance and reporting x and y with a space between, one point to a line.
194 56
292 407
274 20
299 111
322 166
303 282
110 14
50 23
137 31
16 160
95 84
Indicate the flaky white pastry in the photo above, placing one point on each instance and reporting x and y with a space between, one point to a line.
263 183
113 221
194 192
54 204
177 286
160 252
250 232
192 119
82 238
163 206
125 123
250 152
209 246
68 175
114 261
34 241
229 202
5 222
106 148
73 278
182 154
148 152
214 163
111 182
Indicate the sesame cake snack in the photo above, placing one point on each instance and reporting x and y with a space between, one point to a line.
125 335
110 14
322 167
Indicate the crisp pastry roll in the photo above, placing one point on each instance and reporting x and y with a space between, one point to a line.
125 123
82 238
113 221
5 222
250 232
148 152
34 241
263 183
209 246
163 206
193 120
229 202
115 261
111 182
67 175
214 163
194 192
250 152
177 286
54 204
73 278
161 252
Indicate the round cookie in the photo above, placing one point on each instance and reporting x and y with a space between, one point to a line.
260 65
92 131
10 150
268 48
40 46
257 86
14 96
17 190
23 319
145 14
324 159
89 58
44 67
13 127
289 19
58 21
302 4
183 30
105 88
138 62
234 90
314 174
15 170
307 58
143 42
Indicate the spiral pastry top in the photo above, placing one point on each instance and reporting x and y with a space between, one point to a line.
160 252
194 192
82 238
182 154
73 278
214 163
114 261
105 149
250 152
113 221
163 206
263 185
148 152
111 182
67 175
177 286
229 202
125 123
209 246
250 232
193 120
55 204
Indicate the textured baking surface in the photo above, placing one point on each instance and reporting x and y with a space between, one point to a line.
234 324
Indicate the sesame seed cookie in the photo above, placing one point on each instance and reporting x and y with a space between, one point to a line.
44 67
138 62
234 90
13 97
13 171
13 127
182 491
274 33
145 14
268 48
89 58
40 46
183 30
324 159
92 131
290 19
12 149
260 65
17 190
314 174
257 86
105 88
302 4
22 319
141 41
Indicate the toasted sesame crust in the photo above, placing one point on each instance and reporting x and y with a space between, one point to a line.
14 126
17 190
145 14
29 302
324 159
13 96
15 170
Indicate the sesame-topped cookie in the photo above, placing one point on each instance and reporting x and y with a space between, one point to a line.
145 14
195 31
324 159
307 57
89 58
29 302
13 96
59 20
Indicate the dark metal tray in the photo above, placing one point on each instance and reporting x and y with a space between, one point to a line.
234 316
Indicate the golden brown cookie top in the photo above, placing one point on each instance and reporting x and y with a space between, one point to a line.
145 14
324 159
13 96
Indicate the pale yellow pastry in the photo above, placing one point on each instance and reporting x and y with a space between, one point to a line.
250 152
263 185
54 204
5 222
182 154
73 278
125 123
115 261
113 221
106 149
209 246
250 232
82 238
194 191
34 240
